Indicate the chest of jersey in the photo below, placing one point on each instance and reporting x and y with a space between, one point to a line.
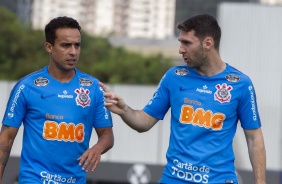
68 101
63 112
204 103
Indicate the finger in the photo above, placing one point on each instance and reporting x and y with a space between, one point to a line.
105 88
111 99
90 163
81 160
109 95
95 166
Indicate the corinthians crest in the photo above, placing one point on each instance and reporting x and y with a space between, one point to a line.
222 93
82 99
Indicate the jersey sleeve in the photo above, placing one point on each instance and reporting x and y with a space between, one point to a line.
16 106
160 102
248 109
103 116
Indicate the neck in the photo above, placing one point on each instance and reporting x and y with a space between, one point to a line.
213 66
62 76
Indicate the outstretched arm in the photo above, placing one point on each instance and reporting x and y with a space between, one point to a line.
136 119
257 154
7 137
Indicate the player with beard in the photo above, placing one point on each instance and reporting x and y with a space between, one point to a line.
207 97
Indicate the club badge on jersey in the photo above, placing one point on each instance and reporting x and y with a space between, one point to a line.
82 99
41 81
222 93
181 72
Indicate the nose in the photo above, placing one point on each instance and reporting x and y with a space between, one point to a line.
181 49
73 50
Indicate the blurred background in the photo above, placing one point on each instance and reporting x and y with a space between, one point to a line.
129 44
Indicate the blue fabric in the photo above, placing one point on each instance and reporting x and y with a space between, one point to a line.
204 115
58 119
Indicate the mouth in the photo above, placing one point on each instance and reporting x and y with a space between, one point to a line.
71 61
186 60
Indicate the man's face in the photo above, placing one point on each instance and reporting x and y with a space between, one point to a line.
191 49
64 54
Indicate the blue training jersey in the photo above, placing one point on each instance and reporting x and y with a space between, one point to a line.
58 120
204 115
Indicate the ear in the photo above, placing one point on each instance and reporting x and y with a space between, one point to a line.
208 43
48 47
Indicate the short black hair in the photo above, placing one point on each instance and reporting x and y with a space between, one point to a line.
203 25
59 22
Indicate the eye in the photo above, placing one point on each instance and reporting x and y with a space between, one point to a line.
186 42
77 45
66 45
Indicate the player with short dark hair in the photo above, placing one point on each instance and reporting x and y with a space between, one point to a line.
206 97
58 106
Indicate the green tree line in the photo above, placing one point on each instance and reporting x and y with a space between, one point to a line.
22 52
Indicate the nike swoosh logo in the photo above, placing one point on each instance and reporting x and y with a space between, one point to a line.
181 88
46 95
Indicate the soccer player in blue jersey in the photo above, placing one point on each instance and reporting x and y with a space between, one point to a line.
58 106
207 97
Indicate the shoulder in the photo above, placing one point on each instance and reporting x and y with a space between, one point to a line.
172 74
38 78
235 75
86 79
29 81
181 70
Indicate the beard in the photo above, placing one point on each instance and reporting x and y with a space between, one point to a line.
198 60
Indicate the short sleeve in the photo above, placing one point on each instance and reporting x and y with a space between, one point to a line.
160 102
16 106
248 109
